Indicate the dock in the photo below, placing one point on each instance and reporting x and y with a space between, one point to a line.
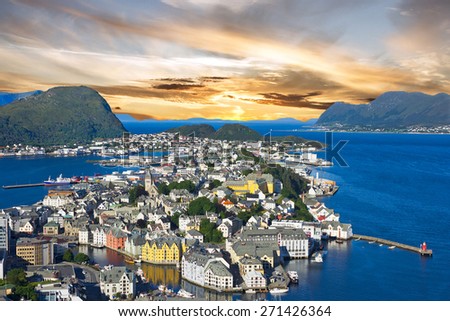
419 250
22 185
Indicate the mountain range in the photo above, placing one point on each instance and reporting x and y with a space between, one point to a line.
61 115
391 110
226 132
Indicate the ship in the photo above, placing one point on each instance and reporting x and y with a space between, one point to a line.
58 181
293 275
278 290
185 294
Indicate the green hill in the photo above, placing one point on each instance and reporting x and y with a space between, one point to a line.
236 132
226 132
61 115
200 130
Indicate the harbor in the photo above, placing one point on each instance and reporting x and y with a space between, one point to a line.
422 250
22 185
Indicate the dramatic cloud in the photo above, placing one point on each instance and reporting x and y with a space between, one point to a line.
235 59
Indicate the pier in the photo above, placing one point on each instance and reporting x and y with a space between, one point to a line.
426 252
22 185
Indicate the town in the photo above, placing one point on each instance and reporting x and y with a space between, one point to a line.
226 214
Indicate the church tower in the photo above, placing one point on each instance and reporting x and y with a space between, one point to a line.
149 185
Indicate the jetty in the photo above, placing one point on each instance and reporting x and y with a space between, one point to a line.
422 250
22 185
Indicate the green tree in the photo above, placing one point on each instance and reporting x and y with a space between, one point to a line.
209 231
68 256
175 219
135 192
200 206
214 184
81 258
16 277
141 223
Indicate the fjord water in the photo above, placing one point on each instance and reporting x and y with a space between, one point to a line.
396 187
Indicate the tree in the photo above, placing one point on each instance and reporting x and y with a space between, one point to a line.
68 256
175 219
135 192
16 277
200 206
81 258
210 232
141 223
214 184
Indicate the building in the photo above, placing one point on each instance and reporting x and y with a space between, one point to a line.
57 292
57 198
251 184
163 250
117 280
51 229
34 251
205 269
254 280
134 243
293 243
2 264
194 235
26 227
99 234
84 236
337 230
115 239
4 233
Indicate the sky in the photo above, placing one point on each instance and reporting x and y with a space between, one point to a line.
234 59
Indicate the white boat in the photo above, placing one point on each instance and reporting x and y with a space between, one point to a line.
293 275
278 290
250 291
380 245
371 242
317 257
185 294
137 260
392 247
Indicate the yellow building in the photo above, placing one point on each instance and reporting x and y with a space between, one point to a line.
34 251
163 251
252 183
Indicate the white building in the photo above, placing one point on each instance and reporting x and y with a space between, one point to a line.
56 200
337 230
2 264
83 235
116 280
206 270
99 236
254 280
4 233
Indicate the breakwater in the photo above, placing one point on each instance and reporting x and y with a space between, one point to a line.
392 244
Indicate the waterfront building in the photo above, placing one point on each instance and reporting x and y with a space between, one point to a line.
293 243
58 198
115 239
117 280
99 235
247 264
51 229
337 230
163 250
134 243
84 236
35 251
267 252
206 269
254 280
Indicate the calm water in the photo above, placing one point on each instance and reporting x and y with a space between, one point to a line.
396 187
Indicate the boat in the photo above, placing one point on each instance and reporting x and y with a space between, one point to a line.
185 294
278 290
98 246
392 247
317 257
371 242
128 260
137 260
293 275
380 244
58 181
250 291
339 241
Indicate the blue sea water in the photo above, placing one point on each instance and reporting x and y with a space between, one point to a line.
396 186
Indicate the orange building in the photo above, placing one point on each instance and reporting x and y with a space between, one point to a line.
115 239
